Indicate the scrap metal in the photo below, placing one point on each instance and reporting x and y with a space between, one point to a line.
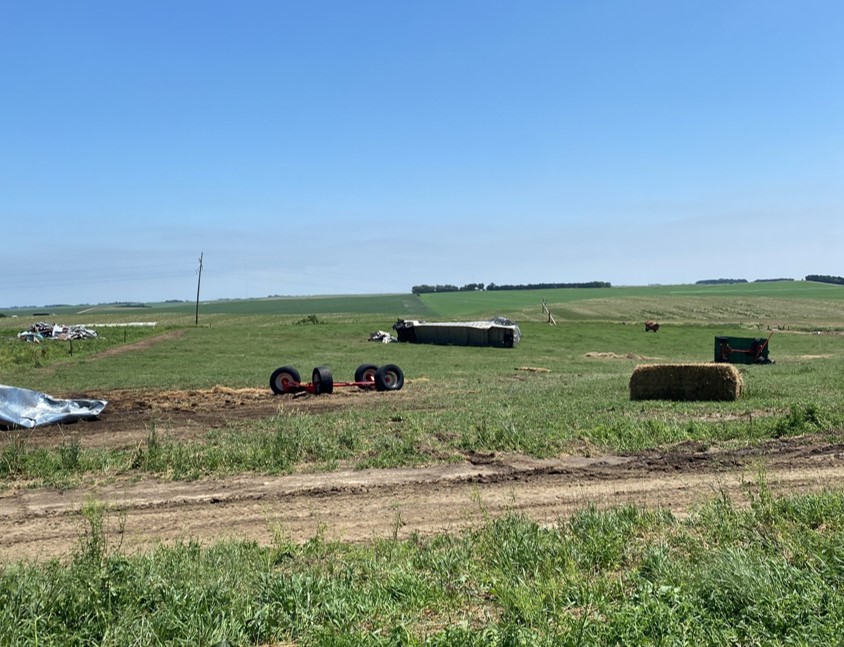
27 408
42 330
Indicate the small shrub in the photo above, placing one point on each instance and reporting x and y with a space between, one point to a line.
310 319
799 420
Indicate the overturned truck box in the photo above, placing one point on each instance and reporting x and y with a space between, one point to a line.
498 332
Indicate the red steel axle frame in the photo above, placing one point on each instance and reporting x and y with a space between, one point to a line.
286 380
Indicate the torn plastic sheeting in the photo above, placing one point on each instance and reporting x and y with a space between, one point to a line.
29 409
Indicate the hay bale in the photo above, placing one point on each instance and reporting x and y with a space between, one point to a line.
686 382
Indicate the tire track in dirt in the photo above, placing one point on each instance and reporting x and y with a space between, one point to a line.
360 505
142 344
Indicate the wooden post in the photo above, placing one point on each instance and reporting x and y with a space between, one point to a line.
548 312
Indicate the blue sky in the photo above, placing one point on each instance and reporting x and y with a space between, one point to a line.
329 147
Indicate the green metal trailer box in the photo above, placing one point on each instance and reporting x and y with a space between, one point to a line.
742 350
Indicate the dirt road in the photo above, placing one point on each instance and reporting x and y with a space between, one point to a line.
358 505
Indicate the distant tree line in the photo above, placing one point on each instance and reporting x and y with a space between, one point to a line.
823 278
729 281
427 289
549 286
477 287
720 281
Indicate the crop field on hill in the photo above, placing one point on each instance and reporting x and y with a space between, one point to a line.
819 300
502 496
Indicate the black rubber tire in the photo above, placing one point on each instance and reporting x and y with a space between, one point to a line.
285 380
323 380
389 378
366 373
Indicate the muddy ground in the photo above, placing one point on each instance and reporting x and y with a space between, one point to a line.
359 505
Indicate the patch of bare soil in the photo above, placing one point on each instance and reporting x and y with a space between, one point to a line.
131 414
359 505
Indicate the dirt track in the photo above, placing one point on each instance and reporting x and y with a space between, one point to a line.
361 505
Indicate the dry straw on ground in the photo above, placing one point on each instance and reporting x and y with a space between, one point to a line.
686 382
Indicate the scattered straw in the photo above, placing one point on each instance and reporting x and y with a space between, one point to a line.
594 355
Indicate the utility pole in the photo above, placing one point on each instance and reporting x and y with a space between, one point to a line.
198 281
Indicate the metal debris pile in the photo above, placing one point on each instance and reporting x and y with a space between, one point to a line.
40 331
383 337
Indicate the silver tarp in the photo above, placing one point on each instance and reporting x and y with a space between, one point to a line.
27 408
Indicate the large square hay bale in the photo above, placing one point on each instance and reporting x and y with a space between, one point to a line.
686 382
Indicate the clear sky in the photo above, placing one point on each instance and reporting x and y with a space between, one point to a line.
337 147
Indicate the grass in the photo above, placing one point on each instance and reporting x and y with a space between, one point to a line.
764 573
456 399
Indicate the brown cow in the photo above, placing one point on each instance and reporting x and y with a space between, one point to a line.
651 325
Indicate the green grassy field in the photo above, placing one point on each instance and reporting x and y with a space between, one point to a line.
574 393
768 574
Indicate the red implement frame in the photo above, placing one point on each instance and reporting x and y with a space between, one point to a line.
756 351
286 380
